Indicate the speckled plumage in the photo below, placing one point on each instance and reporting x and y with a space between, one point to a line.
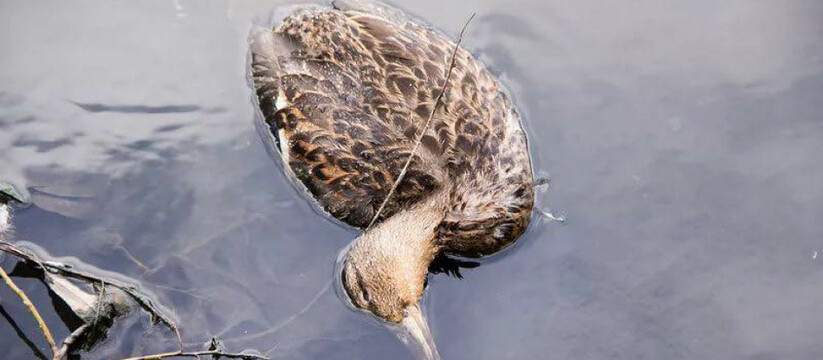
346 92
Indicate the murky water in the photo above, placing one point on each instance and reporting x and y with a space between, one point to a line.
683 138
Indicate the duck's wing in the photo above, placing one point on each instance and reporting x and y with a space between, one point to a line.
477 131
493 186
347 92
317 85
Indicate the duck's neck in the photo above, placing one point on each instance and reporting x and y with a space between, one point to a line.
407 238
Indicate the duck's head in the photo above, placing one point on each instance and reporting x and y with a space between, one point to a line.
385 271
10 195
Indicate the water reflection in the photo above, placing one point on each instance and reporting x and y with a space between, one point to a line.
682 139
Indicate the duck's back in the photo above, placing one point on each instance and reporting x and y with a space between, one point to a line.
346 92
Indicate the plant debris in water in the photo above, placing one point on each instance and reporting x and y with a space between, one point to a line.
90 304
86 301
87 304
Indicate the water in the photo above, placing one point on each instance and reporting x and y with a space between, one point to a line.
683 140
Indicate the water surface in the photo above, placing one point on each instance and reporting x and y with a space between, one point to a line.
683 140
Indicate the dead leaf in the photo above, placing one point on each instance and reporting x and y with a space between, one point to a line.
82 303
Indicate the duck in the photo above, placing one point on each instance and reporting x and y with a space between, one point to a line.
391 127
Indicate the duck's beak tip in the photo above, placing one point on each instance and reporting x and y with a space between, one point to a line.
417 334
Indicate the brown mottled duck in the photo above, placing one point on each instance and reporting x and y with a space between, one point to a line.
346 92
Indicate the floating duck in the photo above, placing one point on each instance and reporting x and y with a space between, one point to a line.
351 99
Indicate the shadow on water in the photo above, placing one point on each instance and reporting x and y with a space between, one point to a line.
21 334
143 109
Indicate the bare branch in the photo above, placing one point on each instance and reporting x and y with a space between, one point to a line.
286 321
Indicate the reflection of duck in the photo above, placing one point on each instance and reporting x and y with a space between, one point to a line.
346 92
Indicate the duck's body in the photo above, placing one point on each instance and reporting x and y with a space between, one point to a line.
8 196
346 92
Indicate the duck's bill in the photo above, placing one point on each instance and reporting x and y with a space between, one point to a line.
416 334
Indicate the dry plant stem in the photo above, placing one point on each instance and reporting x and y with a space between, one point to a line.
32 310
69 342
197 354
133 258
437 102
99 303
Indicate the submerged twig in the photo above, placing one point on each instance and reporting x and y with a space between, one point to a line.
55 269
100 296
437 101
32 310
132 258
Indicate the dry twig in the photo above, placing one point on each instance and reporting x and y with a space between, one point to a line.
32 310
69 341
437 102
198 354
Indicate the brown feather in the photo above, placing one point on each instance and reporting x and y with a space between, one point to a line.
355 89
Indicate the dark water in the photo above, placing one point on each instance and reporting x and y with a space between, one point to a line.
684 140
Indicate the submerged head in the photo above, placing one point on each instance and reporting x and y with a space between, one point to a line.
385 270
